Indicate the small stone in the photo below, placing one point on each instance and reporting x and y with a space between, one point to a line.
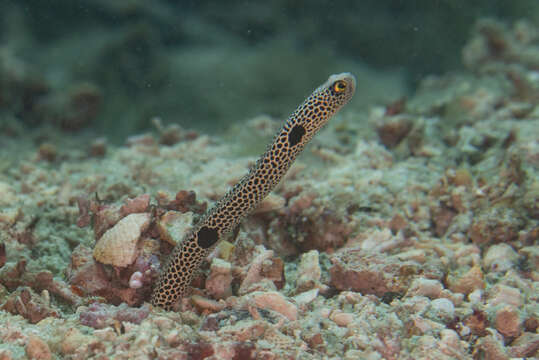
5 355
106 334
9 217
491 348
73 340
170 135
306 297
275 301
507 321
425 287
47 152
207 304
140 140
495 225
118 245
225 250
475 296
451 345
273 270
314 340
8 194
271 203
25 302
245 330
370 273
477 322
309 272
462 177
397 223
394 129
531 324
253 277
503 294
174 225
341 318
470 281
173 338
525 346
139 204
37 349
442 309
219 282
499 258
98 148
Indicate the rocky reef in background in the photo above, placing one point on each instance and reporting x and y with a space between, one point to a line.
209 65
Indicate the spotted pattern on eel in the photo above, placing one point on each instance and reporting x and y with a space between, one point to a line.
245 196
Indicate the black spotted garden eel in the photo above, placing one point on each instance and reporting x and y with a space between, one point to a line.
245 196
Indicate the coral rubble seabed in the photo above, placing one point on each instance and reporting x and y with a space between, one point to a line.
417 239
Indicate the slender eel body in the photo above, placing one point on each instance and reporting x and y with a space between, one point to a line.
245 196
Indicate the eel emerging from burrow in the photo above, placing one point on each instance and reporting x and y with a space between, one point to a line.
245 196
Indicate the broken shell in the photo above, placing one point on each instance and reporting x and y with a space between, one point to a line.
118 245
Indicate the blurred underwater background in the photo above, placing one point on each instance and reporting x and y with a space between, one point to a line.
209 64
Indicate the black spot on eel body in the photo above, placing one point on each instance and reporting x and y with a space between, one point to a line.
296 134
207 237
245 196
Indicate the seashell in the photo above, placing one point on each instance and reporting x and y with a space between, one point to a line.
118 245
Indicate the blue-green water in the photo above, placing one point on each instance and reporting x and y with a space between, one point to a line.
210 64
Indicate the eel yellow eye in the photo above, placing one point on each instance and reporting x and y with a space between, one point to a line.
339 86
